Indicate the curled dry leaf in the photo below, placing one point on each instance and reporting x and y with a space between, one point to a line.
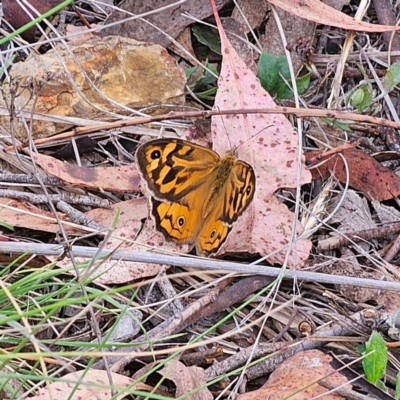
185 379
21 214
317 11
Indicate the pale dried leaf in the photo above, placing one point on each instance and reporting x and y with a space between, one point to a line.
124 238
353 215
297 373
91 387
317 11
28 216
124 178
271 147
386 214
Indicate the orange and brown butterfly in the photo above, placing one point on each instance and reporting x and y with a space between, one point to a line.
196 196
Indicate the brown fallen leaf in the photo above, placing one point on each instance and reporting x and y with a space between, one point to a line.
118 179
21 215
128 224
365 173
91 387
317 11
300 373
348 265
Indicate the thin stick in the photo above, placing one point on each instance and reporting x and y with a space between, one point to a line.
193 262
298 112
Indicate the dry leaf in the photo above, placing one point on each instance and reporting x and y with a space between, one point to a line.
271 147
296 374
254 10
353 215
317 11
128 224
348 265
91 387
365 173
31 217
164 23
118 179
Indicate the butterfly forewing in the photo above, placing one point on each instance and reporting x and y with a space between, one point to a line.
173 168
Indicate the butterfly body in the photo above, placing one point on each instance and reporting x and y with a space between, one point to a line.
197 196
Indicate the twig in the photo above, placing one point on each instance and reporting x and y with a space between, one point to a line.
169 292
43 199
365 235
30 179
194 262
240 358
329 153
346 393
297 112
78 217
84 20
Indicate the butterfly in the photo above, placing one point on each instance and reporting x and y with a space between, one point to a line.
196 196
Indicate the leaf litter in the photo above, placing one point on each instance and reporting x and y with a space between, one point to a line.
262 140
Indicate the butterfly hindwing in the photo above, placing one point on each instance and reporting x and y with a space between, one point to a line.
176 221
234 199
239 191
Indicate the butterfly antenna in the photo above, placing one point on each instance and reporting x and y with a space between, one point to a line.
226 130
253 136
250 138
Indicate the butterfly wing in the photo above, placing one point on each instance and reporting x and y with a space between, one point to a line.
178 174
182 220
233 200
173 168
